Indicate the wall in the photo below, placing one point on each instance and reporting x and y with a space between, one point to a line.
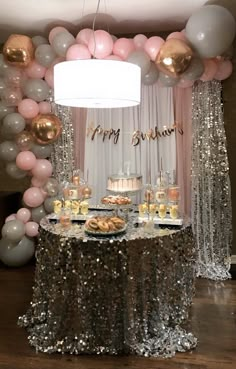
229 97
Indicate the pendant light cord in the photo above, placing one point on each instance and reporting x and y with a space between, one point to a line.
94 22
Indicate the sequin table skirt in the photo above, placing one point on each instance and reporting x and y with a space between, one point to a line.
112 296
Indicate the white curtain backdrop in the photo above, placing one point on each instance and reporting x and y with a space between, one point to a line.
103 158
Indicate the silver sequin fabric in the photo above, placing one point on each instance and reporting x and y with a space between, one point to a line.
129 294
211 194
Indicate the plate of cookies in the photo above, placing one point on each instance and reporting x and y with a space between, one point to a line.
105 226
116 200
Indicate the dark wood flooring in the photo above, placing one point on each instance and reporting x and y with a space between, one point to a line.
213 322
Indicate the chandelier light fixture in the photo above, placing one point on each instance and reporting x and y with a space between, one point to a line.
97 83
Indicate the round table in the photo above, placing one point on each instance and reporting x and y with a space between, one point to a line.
126 294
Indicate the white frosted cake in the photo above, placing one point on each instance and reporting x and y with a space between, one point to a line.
124 183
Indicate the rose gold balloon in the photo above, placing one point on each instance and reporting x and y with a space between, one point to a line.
174 57
46 128
24 140
18 50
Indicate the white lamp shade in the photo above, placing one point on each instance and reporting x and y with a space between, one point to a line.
97 83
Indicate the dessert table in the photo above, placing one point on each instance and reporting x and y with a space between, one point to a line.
116 295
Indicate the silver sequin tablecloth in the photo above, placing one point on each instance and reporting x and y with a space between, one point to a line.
129 294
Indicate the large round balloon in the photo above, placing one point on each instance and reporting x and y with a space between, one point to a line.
8 150
195 70
13 230
211 30
174 57
140 58
14 123
41 151
16 254
46 128
36 89
15 172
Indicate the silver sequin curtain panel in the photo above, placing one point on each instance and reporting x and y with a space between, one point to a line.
211 198
62 157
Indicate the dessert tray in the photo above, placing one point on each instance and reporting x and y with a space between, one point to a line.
105 226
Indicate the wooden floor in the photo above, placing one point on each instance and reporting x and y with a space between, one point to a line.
213 322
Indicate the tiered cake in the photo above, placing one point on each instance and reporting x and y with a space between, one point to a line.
124 183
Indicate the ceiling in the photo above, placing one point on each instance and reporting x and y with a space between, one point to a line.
37 17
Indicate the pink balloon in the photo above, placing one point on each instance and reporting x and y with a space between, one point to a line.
78 52
10 217
113 57
25 160
211 66
100 44
49 77
33 197
84 36
44 107
42 169
177 35
225 68
54 32
36 182
28 108
123 47
185 83
31 229
35 70
23 214
152 46
139 41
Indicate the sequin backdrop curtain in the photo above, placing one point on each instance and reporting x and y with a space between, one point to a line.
211 198
62 157
183 117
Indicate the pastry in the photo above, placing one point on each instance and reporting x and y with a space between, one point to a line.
104 224
116 200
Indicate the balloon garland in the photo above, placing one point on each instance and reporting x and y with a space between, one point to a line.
201 51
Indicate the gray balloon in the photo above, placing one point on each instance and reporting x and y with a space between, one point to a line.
49 204
61 42
14 123
195 70
4 110
39 40
5 134
38 213
13 230
168 81
8 150
36 89
151 76
15 172
2 86
211 30
44 54
3 65
141 59
41 152
16 254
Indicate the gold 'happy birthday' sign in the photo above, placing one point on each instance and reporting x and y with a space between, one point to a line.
137 136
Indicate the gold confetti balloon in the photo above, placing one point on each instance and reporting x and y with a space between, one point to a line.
46 128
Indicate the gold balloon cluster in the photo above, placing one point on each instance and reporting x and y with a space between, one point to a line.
174 57
46 128
18 50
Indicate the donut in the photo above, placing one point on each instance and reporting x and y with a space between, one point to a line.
118 222
111 225
103 226
92 224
